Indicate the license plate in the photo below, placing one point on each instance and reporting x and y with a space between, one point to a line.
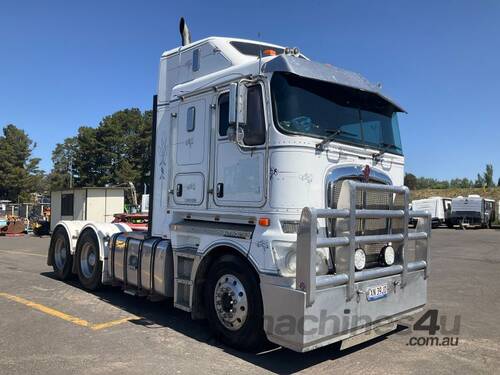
376 292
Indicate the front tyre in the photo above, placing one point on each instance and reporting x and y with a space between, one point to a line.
234 304
62 261
89 265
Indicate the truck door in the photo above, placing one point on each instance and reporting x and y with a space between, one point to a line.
239 172
190 157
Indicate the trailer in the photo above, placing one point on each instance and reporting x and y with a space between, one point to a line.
272 214
438 207
472 211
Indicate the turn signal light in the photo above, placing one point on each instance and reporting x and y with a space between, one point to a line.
264 222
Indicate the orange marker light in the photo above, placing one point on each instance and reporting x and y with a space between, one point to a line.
264 222
269 52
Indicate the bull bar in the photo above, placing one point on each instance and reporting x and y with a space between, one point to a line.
308 242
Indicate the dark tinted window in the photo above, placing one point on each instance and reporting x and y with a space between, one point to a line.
253 49
255 128
223 114
320 109
67 205
191 119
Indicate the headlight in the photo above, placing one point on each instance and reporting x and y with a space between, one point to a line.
359 259
387 256
285 256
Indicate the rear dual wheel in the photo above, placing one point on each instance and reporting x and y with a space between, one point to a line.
62 261
89 265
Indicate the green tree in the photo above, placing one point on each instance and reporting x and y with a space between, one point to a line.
410 181
20 175
115 152
488 176
479 181
63 171
466 183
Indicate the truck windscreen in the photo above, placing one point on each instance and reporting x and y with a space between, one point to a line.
318 109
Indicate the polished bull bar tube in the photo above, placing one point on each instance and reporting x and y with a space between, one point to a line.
308 242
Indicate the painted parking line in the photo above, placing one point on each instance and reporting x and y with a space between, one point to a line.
69 318
19 252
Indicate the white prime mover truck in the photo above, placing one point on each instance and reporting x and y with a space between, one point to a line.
438 207
278 208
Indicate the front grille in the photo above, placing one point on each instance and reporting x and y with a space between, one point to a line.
368 200
289 226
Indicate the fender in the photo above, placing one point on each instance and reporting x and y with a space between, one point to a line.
103 232
73 230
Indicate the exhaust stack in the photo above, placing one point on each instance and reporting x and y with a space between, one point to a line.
185 34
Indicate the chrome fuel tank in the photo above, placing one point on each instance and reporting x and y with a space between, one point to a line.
145 265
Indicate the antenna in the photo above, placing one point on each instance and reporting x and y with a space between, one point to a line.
260 53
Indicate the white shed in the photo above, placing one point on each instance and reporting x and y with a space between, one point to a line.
90 203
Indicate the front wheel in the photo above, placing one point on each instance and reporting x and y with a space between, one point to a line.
234 304
89 265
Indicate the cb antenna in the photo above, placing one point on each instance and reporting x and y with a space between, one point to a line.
260 53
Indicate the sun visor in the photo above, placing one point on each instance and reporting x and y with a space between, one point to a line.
324 72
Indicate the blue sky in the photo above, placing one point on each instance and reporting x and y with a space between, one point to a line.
65 64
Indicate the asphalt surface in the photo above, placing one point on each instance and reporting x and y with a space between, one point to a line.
51 327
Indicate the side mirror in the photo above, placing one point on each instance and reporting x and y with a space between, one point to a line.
237 105
235 134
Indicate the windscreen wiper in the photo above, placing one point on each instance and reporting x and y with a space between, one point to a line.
321 145
385 148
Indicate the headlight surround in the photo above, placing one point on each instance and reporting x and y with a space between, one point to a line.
285 257
387 256
359 259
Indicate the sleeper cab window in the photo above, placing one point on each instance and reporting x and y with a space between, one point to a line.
196 60
255 128
191 119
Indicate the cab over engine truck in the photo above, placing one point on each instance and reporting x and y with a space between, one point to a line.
278 209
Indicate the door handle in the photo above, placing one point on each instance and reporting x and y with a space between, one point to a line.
178 190
220 190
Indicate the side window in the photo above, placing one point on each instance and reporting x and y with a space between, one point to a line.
255 128
191 119
223 114
67 205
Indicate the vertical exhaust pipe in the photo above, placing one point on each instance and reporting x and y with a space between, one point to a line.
185 34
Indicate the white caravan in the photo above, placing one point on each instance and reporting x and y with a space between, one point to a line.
438 207
278 208
472 211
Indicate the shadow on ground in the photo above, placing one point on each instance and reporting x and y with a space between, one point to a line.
157 315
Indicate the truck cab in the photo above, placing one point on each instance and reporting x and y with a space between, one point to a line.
277 198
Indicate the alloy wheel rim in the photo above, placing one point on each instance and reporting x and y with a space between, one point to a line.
60 253
88 260
231 304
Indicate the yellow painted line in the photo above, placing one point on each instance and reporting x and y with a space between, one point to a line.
69 318
113 323
23 253
46 310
